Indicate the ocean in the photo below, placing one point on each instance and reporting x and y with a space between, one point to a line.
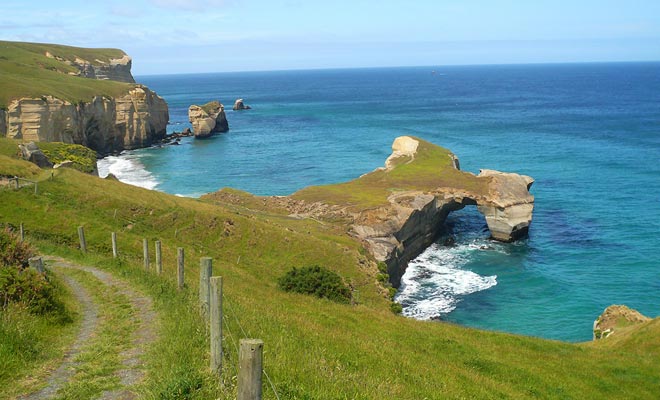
589 134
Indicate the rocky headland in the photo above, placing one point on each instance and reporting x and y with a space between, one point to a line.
398 210
208 119
109 116
617 318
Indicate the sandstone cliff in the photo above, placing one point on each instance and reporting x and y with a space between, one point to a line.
104 124
208 119
116 69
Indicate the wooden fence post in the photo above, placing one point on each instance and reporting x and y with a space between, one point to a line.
215 314
159 258
114 245
180 261
145 251
22 230
83 242
37 263
17 184
250 367
36 187
205 272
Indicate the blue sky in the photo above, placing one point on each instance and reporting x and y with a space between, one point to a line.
178 36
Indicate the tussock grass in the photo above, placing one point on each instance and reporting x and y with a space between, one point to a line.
314 348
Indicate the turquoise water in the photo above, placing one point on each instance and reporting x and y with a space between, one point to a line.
588 133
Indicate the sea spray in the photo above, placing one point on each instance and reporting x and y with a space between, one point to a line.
128 169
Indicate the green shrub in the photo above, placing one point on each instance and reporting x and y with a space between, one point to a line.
316 281
396 308
27 286
13 252
84 159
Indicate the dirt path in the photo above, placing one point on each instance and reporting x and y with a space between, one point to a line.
129 373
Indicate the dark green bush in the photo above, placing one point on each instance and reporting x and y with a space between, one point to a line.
13 252
27 286
19 284
316 281
396 308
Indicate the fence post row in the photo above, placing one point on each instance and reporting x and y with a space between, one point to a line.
215 314
180 261
250 367
159 258
114 245
205 272
83 242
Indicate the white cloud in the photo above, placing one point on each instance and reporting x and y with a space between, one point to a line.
188 5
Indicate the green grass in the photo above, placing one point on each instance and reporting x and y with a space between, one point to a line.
432 168
314 348
31 345
27 72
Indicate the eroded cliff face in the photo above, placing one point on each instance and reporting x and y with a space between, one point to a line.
118 69
403 229
104 124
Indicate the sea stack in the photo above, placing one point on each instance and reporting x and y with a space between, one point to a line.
208 119
240 105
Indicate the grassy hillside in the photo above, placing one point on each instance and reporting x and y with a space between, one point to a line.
25 71
314 348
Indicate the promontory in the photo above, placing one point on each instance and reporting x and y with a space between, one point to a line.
76 95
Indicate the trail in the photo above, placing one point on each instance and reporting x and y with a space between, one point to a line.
129 372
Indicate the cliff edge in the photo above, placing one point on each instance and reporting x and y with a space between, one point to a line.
76 95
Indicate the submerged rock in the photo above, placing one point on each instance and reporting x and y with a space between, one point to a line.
208 119
614 318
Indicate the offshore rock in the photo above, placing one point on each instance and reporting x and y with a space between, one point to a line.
136 119
240 105
614 318
208 119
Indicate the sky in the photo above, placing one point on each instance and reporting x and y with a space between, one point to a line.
179 36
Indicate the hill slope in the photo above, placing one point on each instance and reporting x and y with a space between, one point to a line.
26 71
316 349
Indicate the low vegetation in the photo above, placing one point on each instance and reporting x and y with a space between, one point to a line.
316 281
84 158
314 348
35 321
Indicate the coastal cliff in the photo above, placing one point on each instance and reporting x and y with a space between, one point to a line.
104 124
77 95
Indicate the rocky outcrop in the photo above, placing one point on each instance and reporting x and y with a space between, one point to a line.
136 119
33 153
208 119
240 105
614 318
401 230
118 69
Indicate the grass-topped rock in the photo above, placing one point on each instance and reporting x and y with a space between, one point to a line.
316 281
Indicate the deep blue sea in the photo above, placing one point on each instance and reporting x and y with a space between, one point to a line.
588 133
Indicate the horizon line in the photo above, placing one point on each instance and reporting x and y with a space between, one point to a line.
404 66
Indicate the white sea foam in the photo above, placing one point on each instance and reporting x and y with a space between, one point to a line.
435 282
128 169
